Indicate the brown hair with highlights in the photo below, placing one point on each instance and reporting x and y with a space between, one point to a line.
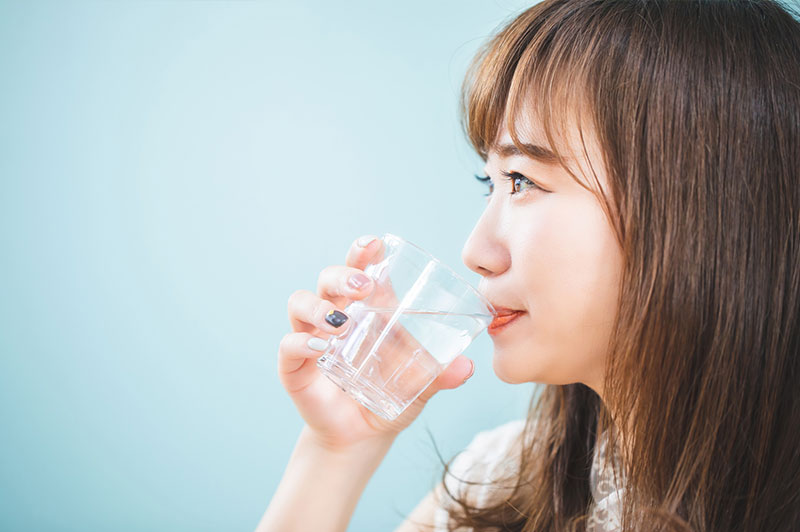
696 108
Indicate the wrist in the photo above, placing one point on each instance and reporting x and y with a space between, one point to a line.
374 448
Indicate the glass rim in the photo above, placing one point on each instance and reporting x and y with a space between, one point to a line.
449 270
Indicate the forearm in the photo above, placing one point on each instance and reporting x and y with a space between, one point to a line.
321 487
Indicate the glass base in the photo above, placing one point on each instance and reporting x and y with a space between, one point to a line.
361 390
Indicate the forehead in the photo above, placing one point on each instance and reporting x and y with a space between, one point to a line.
530 131
538 152
576 144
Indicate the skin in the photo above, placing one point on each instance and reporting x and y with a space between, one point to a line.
334 419
342 442
554 255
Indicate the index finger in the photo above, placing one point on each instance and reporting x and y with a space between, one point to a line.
365 250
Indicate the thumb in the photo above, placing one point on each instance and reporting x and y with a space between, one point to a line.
454 375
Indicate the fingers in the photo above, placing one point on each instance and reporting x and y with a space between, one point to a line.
337 286
456 374
341 284
365 250
296 348
297 354
312 314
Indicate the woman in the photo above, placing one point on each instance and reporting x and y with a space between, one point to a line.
643 163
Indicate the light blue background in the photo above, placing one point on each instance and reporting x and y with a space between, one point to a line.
170 172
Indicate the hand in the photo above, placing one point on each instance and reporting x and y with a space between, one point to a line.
335 419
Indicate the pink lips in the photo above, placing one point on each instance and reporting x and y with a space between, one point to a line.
502 319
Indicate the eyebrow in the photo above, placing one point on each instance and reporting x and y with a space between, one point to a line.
534 151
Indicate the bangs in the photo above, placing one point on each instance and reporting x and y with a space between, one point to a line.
535 70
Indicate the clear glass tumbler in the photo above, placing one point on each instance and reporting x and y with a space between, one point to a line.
419 317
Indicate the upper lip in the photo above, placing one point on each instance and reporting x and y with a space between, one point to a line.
500 309
504 311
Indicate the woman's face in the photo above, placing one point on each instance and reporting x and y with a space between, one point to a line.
552 255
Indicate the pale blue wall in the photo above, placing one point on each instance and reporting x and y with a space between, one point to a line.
170 172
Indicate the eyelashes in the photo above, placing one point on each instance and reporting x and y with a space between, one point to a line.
485 179
515 178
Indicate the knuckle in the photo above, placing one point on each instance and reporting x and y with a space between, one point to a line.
320 309
285 342
294 298
327 277
344 278
328 270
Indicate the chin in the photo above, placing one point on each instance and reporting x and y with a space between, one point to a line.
506 372
517 368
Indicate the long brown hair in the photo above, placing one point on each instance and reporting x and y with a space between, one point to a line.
696 108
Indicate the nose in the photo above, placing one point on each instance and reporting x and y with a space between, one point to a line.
486 251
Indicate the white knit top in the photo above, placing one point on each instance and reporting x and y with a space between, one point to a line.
491 456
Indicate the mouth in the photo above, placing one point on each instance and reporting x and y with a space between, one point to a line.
503 319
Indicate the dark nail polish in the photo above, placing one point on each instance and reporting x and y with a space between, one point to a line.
336 318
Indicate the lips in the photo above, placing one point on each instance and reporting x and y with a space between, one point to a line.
502 311
503 317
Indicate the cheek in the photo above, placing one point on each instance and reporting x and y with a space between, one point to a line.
569 271
561 256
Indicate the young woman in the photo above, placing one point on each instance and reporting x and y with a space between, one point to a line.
643 219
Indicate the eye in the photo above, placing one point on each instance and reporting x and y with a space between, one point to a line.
517 180
488 180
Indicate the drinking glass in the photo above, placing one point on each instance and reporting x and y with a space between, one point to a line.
419 317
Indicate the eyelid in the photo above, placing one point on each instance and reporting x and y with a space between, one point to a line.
484 179
513 175
509 176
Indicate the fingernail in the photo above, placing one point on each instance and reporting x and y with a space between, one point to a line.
366 240
317 344
336 318
358 281
471 371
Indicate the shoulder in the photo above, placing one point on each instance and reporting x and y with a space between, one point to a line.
477 474
501 434
489 447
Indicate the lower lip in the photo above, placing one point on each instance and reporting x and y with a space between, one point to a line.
500 325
